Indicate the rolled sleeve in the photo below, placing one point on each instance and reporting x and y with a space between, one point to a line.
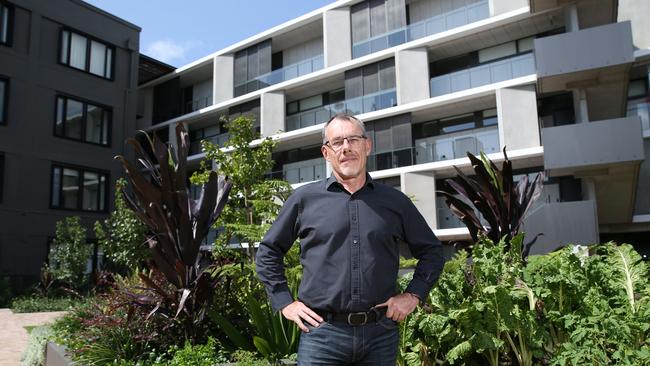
271 252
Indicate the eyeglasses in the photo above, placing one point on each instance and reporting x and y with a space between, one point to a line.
337 143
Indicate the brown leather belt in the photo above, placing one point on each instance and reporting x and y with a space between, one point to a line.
354 318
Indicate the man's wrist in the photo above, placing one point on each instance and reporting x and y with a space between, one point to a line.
416 296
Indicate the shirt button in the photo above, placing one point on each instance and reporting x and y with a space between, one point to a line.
355 241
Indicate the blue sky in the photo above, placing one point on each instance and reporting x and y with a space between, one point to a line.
179 32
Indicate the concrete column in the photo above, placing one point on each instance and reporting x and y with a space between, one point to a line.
421 187
637 12
580 106
223 80
337 36
503 6
571 21
272 113
517 117
412 75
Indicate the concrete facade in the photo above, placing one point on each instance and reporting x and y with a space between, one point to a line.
31 148
495 73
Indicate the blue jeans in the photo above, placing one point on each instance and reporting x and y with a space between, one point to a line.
337 343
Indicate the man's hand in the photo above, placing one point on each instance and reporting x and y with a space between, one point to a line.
400 306
297 312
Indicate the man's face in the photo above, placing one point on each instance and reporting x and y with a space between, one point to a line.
349 161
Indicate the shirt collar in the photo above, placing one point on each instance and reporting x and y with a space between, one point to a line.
332 182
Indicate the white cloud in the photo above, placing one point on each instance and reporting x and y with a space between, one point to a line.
169 51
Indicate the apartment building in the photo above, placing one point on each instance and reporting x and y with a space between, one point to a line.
562 84
68 97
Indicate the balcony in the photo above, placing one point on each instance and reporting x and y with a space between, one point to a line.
390 159
359 105
486 74
280 75
583 57
302 171
562 223
219 140
196 104
640 108
433 25
456 145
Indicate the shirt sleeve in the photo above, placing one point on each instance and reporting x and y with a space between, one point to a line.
271 252
424 246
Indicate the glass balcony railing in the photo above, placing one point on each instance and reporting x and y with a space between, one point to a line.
196 104
301 172
390 159
485 74
277 76
456 145
364 104
440 23
219 140
641 108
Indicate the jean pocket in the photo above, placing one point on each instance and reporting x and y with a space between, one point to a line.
387 323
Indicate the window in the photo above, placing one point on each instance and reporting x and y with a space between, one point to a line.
4 100
82 121
78 188
6 20
89 55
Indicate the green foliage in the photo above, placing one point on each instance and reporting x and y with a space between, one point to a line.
6 293
36 303
247 358
196 355
122 235
577 306
34 353
254 201
69 252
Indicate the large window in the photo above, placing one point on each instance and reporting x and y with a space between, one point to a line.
83 53
6 20
4 100
77 188
82 121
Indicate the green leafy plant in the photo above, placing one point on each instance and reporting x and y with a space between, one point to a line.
493 194
255 201
178 225
69 252
37 303
122 235
34 353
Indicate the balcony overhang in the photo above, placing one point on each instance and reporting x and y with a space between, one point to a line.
584 59
607 153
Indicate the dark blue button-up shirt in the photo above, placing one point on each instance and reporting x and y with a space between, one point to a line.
349 246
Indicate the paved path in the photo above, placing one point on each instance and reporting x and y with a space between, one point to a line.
13 336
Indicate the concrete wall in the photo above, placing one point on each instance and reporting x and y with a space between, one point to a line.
503 6
562 223
587 49
337 36
412 75
272 113
592 144
28 141
517 116
223 79
637 12
422 187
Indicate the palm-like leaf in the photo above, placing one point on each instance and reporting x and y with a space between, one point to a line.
492 193
178 226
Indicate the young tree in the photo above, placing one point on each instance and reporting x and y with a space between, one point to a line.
122 235
70 252
254 201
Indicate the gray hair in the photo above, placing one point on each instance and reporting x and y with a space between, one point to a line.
344 117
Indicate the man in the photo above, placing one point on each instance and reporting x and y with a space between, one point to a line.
349 227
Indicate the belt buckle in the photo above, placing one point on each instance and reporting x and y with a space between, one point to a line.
353 317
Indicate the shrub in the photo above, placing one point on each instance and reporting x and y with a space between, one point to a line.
34 354
35 303
69 252
198 355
